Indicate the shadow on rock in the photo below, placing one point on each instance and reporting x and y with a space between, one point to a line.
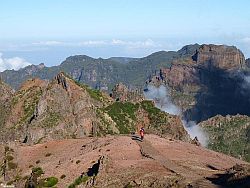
222 92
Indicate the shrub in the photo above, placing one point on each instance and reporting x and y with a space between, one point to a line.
31 166
38 161
78 161
37 171
78 181
48 154
6 148
122 113
12 165
49 182
63 176
9 158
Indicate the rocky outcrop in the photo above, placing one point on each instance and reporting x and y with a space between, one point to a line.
207 83
121 93
219 56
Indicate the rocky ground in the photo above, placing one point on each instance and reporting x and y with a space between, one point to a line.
124 161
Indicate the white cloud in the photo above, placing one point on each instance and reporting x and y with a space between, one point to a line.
92 43
12 63
149 43
48 43
69 44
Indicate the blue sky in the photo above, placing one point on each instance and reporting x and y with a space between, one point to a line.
50 30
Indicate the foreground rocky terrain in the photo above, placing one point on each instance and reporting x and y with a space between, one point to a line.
121 161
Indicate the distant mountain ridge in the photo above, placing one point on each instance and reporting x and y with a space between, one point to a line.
101 73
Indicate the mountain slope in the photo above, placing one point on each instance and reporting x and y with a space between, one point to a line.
229 135
63 108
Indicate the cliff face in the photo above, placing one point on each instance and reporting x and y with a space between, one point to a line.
207 83
221 57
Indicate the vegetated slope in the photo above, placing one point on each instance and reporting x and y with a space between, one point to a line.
63 108
229 135
121 161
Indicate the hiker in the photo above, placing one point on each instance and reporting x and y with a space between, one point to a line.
142 133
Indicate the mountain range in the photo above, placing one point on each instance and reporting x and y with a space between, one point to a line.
96 99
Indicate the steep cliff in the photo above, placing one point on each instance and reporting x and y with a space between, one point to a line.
219 56
207 83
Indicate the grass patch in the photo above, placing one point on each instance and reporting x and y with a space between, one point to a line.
78 181
49 182
124 115
38 171
156 116
9 157
12 165
6 149
51 120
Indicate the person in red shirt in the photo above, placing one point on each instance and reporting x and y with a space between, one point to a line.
142 133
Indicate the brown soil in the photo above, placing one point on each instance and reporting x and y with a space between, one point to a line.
155 162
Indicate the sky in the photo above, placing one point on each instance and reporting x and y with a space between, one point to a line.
48 31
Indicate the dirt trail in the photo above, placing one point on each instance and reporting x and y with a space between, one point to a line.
147 150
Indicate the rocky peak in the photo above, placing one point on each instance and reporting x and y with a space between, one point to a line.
61 80
31 69
219 56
